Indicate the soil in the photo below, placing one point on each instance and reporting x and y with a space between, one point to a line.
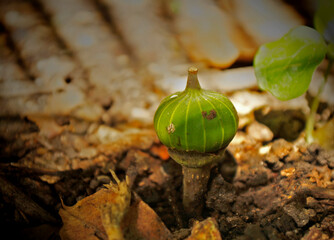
286 193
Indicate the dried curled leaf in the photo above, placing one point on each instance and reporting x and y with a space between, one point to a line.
112 214
142 223
97 216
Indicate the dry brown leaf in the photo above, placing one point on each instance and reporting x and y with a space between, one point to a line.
112 214
143 223
97 216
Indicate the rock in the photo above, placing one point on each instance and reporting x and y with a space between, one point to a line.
259 132
284 123
273 162
299 215
50 179
75 145
104 179
88 152
230 80
79 127
264 149
315 234
205 37
89 112
142 114
246 102
281 148
288 172
207 229
266 21
93 184
283 222
107 134
48 127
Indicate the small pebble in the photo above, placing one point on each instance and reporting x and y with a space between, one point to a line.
281 148
259 132
104 179
93 184
88 152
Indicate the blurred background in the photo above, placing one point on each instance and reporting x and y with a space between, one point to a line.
113 61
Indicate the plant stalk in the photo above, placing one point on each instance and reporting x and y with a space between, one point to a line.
314 106
195 181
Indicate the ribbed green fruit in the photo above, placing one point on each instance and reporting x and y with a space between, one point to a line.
196 120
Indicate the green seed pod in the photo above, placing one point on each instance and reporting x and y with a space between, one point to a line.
196 120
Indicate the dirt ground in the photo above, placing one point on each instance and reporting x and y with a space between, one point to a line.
269 190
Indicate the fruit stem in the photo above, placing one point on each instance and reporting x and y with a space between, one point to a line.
195 182
196 169
192 81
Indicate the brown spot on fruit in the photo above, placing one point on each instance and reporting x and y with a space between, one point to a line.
212 115
209 116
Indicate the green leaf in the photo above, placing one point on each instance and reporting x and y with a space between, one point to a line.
285 67
324 19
